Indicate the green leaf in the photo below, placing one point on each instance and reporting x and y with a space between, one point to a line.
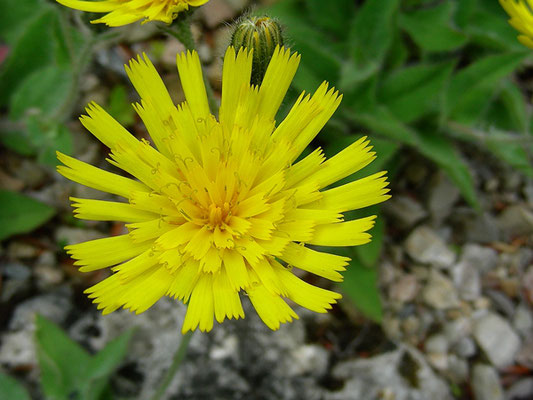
321 56
492 29
432 29
21 214
56 138
515 105
120 106
333 16
18 142
361 286
15 15
509 114
439 149
45 90
369 253
472 88
68 371
104 364
398 53
10 389
514 154
411 92
372 31
381 120
62 361
34 48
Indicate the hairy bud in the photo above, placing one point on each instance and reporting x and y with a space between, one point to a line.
262 34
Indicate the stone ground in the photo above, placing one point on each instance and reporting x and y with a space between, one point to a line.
457 287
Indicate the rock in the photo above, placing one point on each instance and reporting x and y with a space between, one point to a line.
527 281
67 235
168 58
486 383
309 360
379 376
46 270
425 246
54 306
443 195
482 228
16 279
439 292
512 181
457 368
174 87
501 302
404 289
521 390
465 347
237 4
215 12
457 329
523 321
497 339
528 192
516 220
525 355
436 344
214 73
467 280
17 349
405 210
18 250
30 173
225 349
479 257
436 348
236 360
157 336
9 183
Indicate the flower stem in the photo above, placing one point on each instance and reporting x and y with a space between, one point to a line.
181 30
179 355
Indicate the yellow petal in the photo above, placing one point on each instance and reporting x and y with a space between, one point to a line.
96 178
200 309
270 307
308 296
101 253
351 233
192 81
99 210
316 262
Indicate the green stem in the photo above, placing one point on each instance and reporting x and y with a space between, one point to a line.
176 362
464 131
182 32
79 64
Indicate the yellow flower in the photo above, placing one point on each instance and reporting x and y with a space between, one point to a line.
123 12
521 15
221 207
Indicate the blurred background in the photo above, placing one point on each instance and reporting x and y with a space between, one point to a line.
438 306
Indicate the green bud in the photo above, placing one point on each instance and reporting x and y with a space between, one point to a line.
262 34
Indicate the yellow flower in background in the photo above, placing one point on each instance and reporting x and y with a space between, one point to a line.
123 12
521 19
222 207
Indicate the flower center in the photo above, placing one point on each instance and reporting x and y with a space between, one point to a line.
218 215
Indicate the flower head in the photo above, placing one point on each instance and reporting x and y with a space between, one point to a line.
521 19
123 12
220 207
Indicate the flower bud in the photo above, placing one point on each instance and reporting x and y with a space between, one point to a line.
262 34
